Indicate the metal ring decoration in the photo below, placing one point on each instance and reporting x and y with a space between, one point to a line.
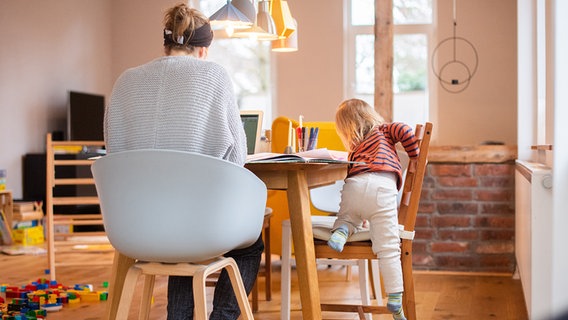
449 84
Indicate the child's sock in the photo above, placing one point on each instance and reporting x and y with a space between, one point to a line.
338 239
394 304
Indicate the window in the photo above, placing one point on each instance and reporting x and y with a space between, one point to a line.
411 40
247 62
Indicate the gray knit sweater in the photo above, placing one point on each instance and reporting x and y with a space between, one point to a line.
179 103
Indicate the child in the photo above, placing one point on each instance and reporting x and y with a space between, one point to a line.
371 188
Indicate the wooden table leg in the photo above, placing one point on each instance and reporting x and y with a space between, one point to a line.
120 266
268 263
301 223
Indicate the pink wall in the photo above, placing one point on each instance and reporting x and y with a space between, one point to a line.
310 81
50 47
136 32
487 109
47 48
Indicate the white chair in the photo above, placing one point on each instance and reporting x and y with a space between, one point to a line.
325 199
177 213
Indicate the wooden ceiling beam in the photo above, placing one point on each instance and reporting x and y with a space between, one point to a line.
384 59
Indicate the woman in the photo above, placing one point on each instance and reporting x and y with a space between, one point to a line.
182 102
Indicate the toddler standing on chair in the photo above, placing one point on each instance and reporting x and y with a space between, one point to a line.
371 188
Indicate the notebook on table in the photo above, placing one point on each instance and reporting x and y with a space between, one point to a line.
252 123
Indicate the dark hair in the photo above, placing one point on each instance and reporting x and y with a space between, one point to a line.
180 25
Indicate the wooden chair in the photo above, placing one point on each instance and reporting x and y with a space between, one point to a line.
407 217
324 202
177 213
68 193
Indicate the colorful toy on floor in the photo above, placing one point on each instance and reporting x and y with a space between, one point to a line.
34 300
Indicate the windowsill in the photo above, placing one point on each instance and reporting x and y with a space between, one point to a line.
473 154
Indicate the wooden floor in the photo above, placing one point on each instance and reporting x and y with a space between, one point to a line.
438 295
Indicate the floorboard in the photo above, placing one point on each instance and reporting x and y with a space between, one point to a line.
438 295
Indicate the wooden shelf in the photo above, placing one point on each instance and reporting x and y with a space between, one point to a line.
542 147
473 154
74 174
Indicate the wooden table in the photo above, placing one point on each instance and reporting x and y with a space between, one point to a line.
296 179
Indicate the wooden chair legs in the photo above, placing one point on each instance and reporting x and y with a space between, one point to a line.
408 299
199 272
267 271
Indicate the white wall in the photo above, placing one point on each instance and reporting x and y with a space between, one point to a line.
555 43
560 158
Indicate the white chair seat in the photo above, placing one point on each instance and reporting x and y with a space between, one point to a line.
322 225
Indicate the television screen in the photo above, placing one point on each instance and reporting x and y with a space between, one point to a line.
85 116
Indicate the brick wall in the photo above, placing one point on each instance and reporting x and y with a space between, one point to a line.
466 219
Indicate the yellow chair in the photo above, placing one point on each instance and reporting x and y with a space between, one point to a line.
277 200
327 137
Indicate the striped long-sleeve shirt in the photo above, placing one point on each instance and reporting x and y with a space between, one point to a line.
378 152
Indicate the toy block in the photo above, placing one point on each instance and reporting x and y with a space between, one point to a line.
90 297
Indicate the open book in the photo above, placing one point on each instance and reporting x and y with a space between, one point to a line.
316 155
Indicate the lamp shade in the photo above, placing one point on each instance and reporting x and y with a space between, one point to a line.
283 20
287 44
246 7
263 27
230 16
264 19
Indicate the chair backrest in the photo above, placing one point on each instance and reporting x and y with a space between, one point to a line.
414 178
327 198
173 206
327 136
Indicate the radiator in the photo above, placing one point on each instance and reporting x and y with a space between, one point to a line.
533 239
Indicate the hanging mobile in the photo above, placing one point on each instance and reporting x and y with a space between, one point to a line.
455 75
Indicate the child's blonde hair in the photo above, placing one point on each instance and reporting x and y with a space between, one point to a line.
354 120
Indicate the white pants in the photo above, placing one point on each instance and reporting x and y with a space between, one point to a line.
373 197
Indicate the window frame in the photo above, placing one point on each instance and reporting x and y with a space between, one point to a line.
350 33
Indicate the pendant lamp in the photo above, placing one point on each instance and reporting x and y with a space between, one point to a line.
263 27
280 12
287 44
229 16
246 7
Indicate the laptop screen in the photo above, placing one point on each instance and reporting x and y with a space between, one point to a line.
252 123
